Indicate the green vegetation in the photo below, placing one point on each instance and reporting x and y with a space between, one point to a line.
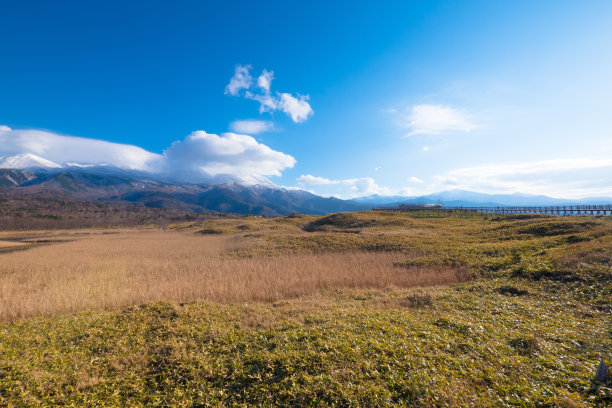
528 330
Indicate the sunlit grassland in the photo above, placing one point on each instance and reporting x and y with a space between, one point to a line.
108 272
367 309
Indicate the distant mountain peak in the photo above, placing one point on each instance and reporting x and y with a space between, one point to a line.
27 161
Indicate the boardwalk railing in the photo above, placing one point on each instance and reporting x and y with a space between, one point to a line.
567 210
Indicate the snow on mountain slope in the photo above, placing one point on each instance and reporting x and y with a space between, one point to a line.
27 161
82 166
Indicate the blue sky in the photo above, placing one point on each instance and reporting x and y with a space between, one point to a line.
393 97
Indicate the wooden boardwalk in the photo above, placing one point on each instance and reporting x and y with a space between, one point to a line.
439 211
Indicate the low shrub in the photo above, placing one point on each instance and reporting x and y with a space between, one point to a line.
512 291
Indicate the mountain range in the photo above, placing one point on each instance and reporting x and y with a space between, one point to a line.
31 174
464 198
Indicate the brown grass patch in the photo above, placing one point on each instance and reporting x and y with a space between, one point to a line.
130 268
8 244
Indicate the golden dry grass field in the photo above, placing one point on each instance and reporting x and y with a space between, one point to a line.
5 245
98 271
362 309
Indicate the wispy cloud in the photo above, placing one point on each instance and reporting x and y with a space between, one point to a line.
415 180
436 120
251 126
241 80
241 84
313 180
264 81
567 178
199 158
353 187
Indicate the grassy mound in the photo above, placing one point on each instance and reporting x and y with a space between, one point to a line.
340 221
354 222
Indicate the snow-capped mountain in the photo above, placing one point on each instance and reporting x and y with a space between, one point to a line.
27 161
30 161
109 184
30 173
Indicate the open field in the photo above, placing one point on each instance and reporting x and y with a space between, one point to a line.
110 271
365 309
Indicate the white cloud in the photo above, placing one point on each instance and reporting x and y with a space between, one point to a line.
365 186
353 187
200 158
567 178
425 148
296 107
251 127
267 102
312 180
265 80
204 155
538 167
436 120
415 180
241 80
61 149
